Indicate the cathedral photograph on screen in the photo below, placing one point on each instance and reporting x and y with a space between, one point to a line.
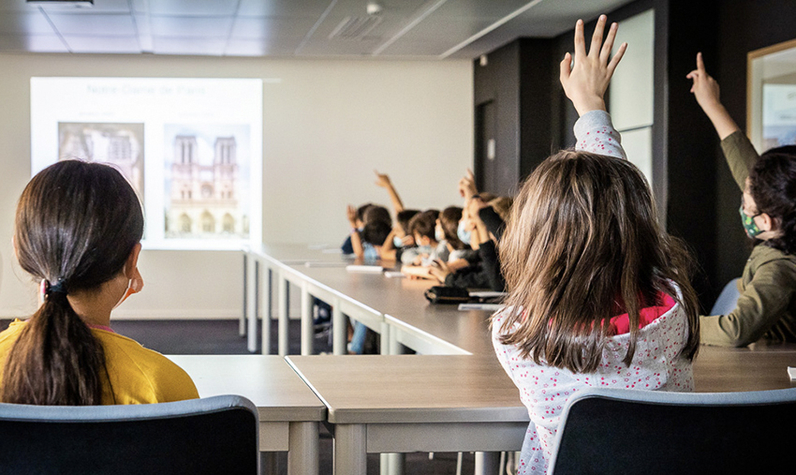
205 180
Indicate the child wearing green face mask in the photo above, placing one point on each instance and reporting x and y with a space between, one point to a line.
766 307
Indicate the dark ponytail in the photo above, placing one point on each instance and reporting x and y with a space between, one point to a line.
76 225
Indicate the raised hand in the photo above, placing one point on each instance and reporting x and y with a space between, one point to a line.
351 214
704 88
706 91
586 81
467 185
382 180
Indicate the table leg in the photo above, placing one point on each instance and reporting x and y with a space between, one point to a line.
302 458
339 329
266 285
349 449
269 463
284 305
384 340
242 321
487 463
252 292
394 347
392 464
307 329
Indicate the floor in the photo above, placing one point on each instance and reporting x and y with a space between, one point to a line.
221 337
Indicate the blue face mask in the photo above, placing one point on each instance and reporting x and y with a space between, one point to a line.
463 234
439 235
397 242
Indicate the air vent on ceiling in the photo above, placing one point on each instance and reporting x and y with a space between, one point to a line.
62 3
355 28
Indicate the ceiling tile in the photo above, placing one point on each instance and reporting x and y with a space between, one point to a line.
189 46
27 23
243 47
270 27
94 25
191 27
293 8
103 44
187 7
32 43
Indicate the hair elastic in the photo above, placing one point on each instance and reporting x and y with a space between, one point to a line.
57 288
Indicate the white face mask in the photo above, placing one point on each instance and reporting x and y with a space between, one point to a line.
439 235
133 287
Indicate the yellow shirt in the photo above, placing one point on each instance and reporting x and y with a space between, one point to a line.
137 375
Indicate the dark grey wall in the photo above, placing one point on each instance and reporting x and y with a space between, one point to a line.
743 26
696 193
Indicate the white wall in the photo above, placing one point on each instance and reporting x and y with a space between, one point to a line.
327 125
632 89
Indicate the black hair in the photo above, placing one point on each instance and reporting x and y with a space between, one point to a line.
404 216
772 183
76 225
377 213
424 224
376 232
449 221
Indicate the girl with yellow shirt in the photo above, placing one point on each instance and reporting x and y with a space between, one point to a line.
78 230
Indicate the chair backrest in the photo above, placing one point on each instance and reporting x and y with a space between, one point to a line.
728 299
216 435
656 432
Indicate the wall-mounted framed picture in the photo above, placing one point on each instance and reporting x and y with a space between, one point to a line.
771 96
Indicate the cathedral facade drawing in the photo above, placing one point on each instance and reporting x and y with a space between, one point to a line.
204 198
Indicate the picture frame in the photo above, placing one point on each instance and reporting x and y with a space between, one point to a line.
771 96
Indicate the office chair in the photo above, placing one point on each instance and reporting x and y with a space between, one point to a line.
216 435
728 299
654 432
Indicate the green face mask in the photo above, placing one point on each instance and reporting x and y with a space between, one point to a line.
749 223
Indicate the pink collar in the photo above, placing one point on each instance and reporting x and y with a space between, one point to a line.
620 324
100 327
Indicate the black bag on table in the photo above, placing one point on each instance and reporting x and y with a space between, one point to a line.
451 295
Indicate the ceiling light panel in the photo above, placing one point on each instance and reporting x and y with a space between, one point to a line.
187 7
190 27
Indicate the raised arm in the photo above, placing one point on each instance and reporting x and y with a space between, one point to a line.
356 241
383 180
738 150
585 78
706 91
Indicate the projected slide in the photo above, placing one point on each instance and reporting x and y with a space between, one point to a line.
191 148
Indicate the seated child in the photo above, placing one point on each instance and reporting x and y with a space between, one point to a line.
77 231
356 217
423 228
766 307
599 294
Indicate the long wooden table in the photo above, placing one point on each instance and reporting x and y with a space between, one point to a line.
455 397
394 404
380 404
290 413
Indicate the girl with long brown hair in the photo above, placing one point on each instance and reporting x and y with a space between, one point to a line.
77 232
599 295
